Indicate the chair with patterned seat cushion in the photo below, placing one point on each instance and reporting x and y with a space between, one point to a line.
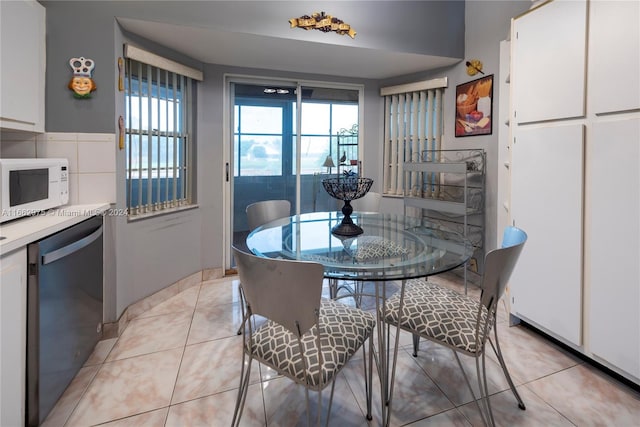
301 336
265 211
459 321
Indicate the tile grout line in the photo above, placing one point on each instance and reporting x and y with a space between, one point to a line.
184 349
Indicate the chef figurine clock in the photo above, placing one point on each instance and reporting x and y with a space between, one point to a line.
81 83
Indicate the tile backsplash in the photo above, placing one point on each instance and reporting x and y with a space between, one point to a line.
92 160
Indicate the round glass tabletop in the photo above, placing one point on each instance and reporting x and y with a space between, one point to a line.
391 247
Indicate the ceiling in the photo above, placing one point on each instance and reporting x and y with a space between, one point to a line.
272 53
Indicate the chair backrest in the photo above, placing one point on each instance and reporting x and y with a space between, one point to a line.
513 236
499 264
285 291
370 202
262 212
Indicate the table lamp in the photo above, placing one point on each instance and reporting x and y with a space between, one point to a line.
328 163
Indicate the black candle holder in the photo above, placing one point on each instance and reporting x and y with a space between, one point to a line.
347 188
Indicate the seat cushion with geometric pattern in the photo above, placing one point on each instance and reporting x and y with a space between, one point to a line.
343 330
374 247
439 314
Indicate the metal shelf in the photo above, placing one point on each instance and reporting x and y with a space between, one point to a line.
448 187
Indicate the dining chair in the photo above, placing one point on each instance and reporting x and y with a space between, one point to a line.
298 334
259 213
459 321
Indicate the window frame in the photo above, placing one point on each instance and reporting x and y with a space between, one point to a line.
289 132
177 174
413 128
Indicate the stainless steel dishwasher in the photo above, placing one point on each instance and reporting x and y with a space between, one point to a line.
64 311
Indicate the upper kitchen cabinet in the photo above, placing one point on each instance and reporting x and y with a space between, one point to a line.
22 65
614 56
548 62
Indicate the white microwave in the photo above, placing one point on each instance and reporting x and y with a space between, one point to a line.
30 186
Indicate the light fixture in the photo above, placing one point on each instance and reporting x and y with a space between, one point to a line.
328 163
279 91
323 22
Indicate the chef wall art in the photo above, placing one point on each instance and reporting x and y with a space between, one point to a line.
474 104
82 83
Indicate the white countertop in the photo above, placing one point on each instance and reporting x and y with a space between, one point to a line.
21 232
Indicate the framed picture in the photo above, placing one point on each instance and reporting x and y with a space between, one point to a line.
474 107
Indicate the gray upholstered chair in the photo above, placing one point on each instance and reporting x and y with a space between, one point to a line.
259 213
304 337
461 322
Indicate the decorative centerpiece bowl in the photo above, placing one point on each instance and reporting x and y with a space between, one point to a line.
347 188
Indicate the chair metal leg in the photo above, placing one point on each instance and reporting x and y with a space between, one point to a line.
242 390
498 353
239 332
244 317
368 376
333 288
416 344
387 422
485 389
473 395
333 386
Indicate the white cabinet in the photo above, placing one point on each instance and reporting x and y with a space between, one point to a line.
575 182
612 267
22 65
548 58
546 199
13 323
614 53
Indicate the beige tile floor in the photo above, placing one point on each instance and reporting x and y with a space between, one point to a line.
178 365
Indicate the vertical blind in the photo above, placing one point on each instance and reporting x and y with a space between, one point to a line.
158 133
412 131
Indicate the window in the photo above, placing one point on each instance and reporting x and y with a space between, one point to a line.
321 123
159 138
258 140
265 132
412 128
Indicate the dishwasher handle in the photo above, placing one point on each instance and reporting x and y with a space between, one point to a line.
71 248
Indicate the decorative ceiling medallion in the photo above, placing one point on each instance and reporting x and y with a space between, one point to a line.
324 23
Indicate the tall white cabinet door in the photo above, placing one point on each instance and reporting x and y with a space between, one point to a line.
548 60
614 56
613 256
547 203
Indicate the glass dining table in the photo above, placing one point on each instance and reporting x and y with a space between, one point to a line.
392 248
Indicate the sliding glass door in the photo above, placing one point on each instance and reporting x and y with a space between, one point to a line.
271 159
